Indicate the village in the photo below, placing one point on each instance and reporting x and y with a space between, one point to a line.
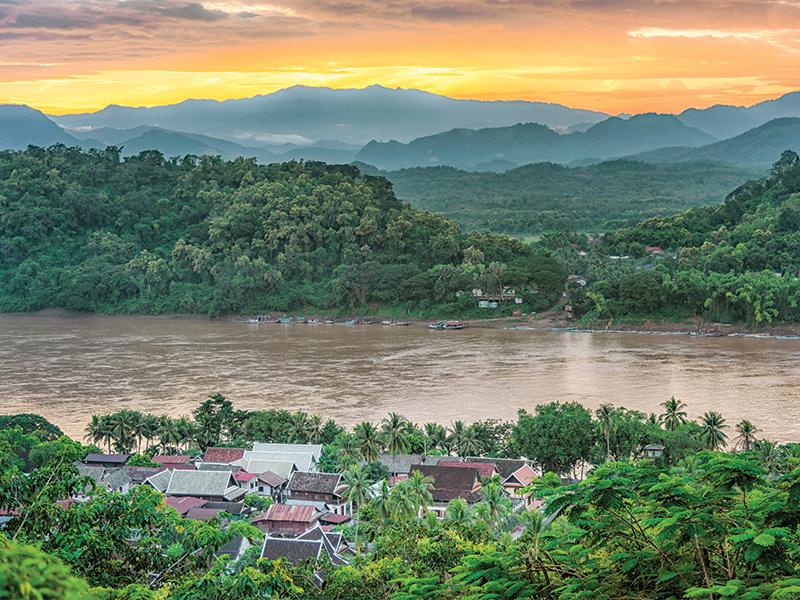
279 488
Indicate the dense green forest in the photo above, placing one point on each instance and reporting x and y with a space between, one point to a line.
697 523
734 263
91 231
549 197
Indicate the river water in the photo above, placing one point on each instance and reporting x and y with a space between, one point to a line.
68 367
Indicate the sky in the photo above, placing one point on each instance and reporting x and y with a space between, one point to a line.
617 56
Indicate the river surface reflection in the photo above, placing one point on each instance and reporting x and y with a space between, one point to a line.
68 367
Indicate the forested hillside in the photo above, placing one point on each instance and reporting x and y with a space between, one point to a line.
732 263
546 197
92 231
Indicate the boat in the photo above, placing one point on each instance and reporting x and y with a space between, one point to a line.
441 325
402 324
387 322
437 325
351 322
285 320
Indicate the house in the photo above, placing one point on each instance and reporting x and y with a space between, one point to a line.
312 545
106 460
252 461
210 485
272 485
138 475
485 469
113 480
450 483
654 249
282 519
184 504
171 459
322 490
517 481
315 450
504 466
223 455
247 481
159 480
234 548
281 468
400 464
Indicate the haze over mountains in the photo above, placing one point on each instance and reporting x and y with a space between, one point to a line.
418 129
354 116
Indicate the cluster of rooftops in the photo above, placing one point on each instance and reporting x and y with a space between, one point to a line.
307 503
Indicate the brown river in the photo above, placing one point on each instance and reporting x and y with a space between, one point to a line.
68 367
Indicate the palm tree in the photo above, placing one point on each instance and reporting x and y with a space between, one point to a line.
605 415
455 439
122 425
97 430
470 442
299 428
435 436
357 491
368 439
382 501
419 488
457 511
186 431
747 435
769 455
314 429
349 451
148 429
674 414
396 434
496 503
168 434
711 428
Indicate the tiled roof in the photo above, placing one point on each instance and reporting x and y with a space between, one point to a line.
271 479
283 512
401 463
315 483
140 474
314 449
116 479
96 473
202 514
303 460
234 508
485 469
523 476
107 459
200 483
223 455
452 482
160 480
293 551
171 459
504 466
281 468
243 477
183 503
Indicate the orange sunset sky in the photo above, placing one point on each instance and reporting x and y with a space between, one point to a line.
612 55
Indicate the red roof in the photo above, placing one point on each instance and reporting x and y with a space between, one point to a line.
285 512
242 476
202 514
184 504
523 476
334 518
223 455
171 459
655 249
485 469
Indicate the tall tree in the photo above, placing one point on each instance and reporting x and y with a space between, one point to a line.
712 426
674 414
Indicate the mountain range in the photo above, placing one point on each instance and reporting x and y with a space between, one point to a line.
504 147
321 124
356 116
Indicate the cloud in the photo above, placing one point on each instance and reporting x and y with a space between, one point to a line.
659 32
192 11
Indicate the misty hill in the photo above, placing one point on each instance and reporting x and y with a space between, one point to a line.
759 147
21 126
530 143
354 116
724 121
546 196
